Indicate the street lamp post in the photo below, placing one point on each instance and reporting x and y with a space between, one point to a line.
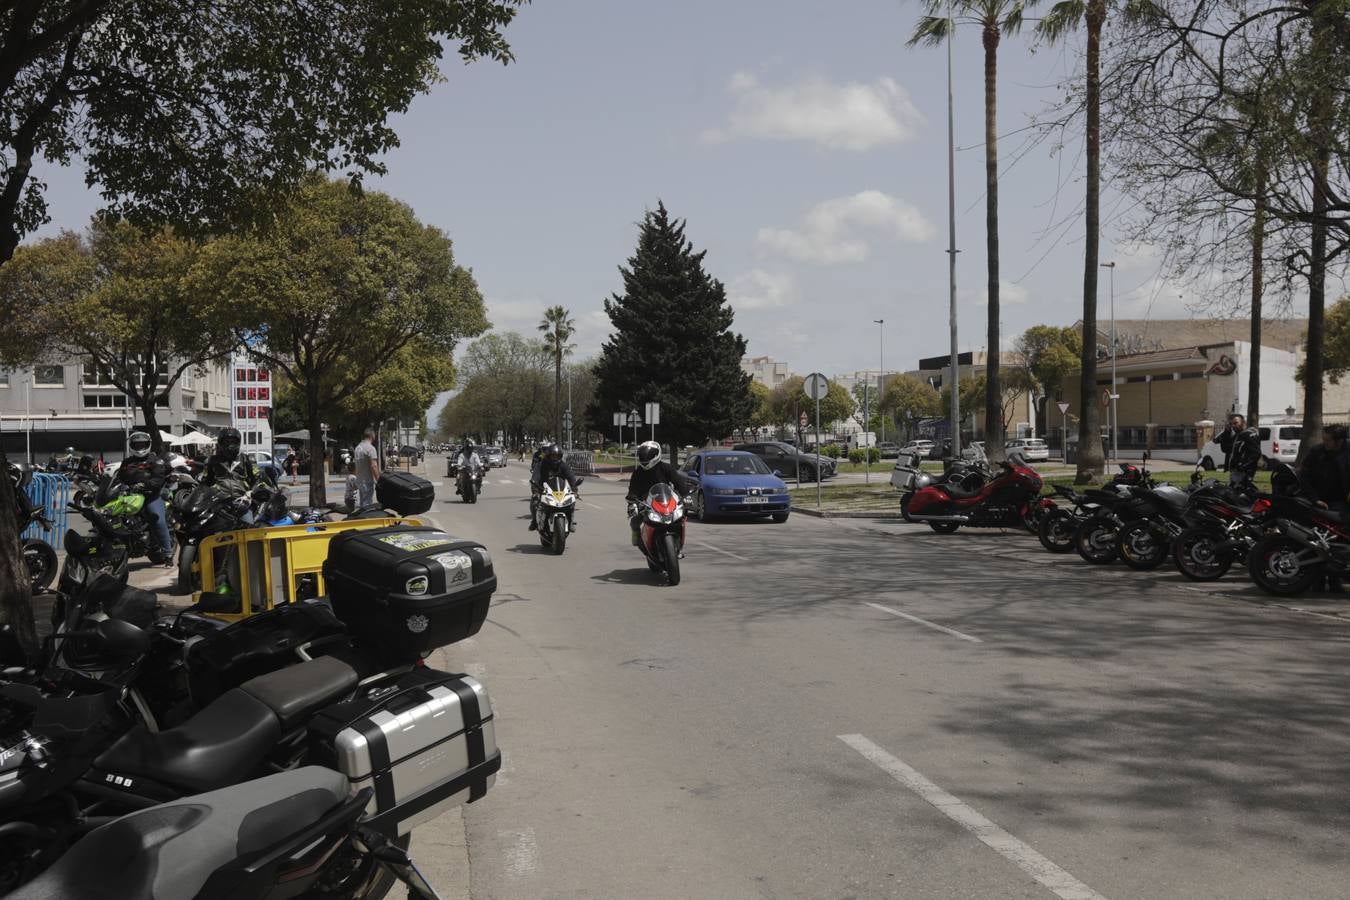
1115 393
881 378
951 240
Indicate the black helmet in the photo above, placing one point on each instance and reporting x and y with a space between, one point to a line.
553 453
20 474
648 454
228 443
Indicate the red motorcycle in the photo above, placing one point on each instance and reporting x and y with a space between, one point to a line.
1009 501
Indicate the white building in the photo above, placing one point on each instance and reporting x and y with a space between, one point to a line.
766 370
252 389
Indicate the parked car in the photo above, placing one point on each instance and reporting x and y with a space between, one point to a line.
266 466
786 460
411 453
735 483
922 447
1277 442
888 450
1032 449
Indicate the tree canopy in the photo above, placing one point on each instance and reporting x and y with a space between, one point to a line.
504 386
194 113
672 341
1051 354
907 397
787 401
341 283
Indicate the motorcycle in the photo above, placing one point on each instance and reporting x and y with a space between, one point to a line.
1306 545
38 556
283 835
1012 499
468 482
1059 524
907 477
554 507
661 530
199 511
1163 514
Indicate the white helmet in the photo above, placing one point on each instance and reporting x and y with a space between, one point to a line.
648 454
139 443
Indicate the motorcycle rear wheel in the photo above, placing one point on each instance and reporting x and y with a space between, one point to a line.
1278 566
1095 540
365 880
1056 530
187 579
1197 554
40 560
904 508
1142 546
944 527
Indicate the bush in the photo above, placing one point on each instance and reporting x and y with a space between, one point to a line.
858 454
830 450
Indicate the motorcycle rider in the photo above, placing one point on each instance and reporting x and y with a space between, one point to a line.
652 470
1242 452
467 457
549 464
144 472
226 464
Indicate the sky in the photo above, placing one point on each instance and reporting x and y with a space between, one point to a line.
802 141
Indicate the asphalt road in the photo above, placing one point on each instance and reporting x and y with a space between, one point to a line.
846 709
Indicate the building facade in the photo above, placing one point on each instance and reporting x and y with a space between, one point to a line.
1020 406
766 370
72 403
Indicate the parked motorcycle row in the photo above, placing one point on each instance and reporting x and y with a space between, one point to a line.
1286 542
290 754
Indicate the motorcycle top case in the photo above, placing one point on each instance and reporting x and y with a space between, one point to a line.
425 743
404 493
406 590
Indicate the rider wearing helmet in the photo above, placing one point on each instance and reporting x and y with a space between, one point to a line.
467 458
145 471
549 463
227 464
652 470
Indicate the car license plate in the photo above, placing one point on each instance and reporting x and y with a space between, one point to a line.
756 499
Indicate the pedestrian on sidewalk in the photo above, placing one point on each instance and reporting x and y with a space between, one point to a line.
367 461
352 494
292 465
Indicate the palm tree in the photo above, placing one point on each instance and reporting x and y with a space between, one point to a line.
1063 18
995 19
558 328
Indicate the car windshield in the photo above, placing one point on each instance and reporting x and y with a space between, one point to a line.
1291 432
728 464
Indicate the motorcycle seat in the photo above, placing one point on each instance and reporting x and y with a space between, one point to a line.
295 693
171 850
221 745
956 492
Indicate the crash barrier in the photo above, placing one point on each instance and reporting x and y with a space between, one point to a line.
579 461
51 493
247 572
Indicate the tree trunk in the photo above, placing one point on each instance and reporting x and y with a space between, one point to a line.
1091 461
557 397
16 592
147 408
1319 132
318 480
1258 264
993 395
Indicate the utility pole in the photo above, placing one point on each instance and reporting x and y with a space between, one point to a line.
951 237
1115 394
881 378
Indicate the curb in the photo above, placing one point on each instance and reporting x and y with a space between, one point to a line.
844 514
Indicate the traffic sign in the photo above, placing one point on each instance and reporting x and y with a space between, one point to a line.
804 419
1064 407
653 413
816 386
634 420
567 419
619 419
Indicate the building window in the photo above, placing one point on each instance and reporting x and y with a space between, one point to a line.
264 393
49 376
240 393
4 378
252 374
241 412
1192 374
1136 379
105 401
239 374
253 393
263 375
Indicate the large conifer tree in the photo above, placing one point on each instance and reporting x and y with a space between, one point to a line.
672 342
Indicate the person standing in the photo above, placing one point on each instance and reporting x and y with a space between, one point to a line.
1325 473
292 465
367 460
1236 423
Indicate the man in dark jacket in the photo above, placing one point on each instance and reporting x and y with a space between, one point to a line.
1236 423
549 463
1325 472
227 463
652 470
144 472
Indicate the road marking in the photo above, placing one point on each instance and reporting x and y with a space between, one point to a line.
1060 882
903 615
708 546
522 852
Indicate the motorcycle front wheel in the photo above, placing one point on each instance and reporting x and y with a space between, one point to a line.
672 559
1056 530
1282 566
1095 540
560 530
1197 554
40 560
187 579
1142 546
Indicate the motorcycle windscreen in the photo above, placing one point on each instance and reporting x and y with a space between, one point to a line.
663 499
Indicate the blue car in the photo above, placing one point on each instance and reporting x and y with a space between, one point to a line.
735 483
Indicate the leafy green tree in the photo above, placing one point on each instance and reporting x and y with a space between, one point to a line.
190 113
558 327
908 398
334 289
787 401
995 19
504 379
1336 349
402 389
118 298
672 342
1051 354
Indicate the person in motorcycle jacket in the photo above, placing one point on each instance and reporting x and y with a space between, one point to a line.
549 464
652 470
227 464
1244 459
144 472
467 457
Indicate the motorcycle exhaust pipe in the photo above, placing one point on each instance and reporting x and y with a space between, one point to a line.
920 517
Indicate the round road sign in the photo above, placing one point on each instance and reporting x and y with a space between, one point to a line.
816 386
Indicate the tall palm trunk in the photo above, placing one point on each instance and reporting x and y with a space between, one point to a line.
1091 461
1258 274
1320 109
993 394
557 390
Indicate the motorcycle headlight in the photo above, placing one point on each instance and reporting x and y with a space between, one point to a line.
675 516
653 517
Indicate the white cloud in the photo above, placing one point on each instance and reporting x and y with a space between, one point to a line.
1009 294
522 315
758 289
851 116
838 231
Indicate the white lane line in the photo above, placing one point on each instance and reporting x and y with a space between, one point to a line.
708 546
1010 848
903 615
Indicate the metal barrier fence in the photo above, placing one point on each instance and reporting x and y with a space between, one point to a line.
579 461
51 493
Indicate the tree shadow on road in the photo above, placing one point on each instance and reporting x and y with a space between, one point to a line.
629 576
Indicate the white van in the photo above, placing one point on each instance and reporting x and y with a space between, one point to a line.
1277 441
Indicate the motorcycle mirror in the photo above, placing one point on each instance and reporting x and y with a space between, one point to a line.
777 474
580 479
121 639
